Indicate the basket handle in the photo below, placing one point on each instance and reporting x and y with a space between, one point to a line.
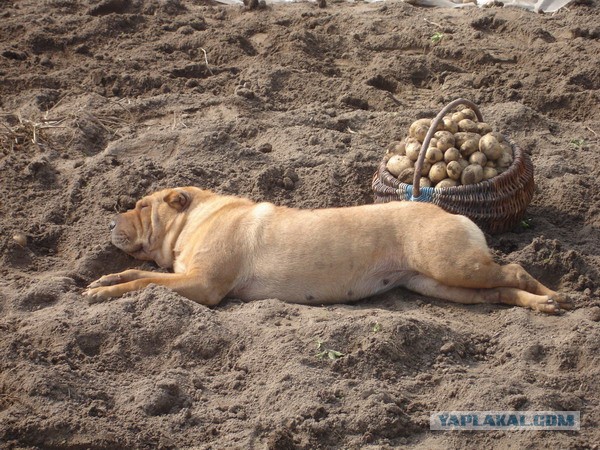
416 193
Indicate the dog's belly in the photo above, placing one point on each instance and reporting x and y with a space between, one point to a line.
314 292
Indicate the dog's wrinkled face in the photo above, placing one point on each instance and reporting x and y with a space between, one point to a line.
149 231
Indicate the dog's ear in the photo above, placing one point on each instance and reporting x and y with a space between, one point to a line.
178 200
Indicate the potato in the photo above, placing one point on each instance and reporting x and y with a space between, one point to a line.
489 172
434 155
469 147
450 125
484 128
461 151
499 136
468 126
454 169
471 174
424 182
443 133
419 128
452 154
425 169
504 162
438 172
458 116
469 113
413 148
445 140
490 147
20 239
506 148
461 137
446 183
397 163
478 158
420 133
407 176
396 148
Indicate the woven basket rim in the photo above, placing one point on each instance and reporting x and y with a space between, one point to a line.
507 175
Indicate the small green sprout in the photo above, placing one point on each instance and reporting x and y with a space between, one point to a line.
437 37
376 327
577 143
526 223
330 353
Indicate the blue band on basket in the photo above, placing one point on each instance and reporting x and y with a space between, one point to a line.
426 194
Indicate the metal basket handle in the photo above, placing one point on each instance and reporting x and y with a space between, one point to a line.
416 193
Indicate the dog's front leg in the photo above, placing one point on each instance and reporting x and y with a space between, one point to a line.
190 285
123 277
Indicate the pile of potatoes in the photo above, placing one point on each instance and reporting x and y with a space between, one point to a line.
462 151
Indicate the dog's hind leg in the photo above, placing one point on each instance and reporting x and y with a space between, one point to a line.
474 268
468 262
513 275
425 285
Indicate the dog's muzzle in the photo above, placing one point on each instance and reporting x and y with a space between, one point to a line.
123 234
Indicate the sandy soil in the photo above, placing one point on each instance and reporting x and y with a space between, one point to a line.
295 106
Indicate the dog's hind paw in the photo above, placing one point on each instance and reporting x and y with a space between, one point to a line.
564 301
555 304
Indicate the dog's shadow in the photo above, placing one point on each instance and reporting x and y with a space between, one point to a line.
404 301
107 259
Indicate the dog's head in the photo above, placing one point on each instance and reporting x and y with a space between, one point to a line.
150 230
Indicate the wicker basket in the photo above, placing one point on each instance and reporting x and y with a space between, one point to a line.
496 205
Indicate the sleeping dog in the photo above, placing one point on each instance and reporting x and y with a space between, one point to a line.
224 246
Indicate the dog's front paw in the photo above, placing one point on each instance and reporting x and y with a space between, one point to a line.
555 304
106 280
96 295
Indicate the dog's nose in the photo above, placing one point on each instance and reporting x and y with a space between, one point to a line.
112 225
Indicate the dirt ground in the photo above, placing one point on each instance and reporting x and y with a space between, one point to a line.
293 104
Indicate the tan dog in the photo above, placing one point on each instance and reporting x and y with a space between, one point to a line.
223 246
